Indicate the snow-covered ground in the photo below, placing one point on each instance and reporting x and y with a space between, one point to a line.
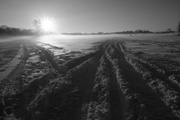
85 43
92 77
6 69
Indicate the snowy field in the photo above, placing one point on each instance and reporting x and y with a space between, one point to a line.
90 77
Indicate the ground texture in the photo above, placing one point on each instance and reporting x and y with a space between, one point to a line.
113 83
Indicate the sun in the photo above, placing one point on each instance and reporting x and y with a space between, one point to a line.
47 24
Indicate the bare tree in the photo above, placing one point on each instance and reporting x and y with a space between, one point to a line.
36 23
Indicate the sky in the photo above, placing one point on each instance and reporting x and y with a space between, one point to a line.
93 15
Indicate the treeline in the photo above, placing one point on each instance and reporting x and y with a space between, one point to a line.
123 32
106 33
169 30
5 30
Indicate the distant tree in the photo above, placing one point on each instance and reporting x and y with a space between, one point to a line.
178 28
100 33
36 23
169 30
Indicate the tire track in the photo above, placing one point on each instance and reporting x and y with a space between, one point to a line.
145 100
99 107
65 67
108 84
70 102
157 71
158 81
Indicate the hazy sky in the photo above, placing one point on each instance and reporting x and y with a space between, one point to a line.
93 15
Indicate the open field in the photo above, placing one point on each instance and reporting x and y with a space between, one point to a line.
90 78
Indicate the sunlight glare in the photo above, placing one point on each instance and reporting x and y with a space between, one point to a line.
47 25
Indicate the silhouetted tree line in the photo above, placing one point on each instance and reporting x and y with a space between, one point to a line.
5 30
169 30
106 33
